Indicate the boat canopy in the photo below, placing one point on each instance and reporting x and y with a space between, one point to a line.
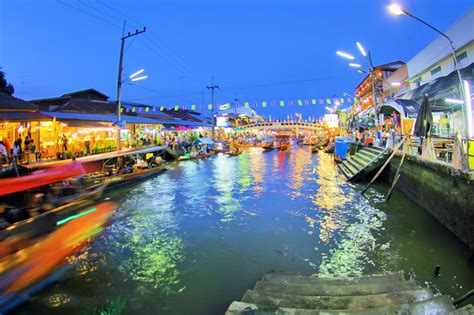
98 157
406 108
207 141
41 178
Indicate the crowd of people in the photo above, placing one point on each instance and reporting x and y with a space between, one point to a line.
18 152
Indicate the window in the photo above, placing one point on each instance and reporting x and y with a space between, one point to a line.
417 82
461 56
436 70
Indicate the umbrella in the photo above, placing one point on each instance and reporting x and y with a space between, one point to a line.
424 120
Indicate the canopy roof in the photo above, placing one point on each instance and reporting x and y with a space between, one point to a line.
406 108
205 141
442 87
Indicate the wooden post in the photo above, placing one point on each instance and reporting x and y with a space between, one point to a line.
383 166
397 175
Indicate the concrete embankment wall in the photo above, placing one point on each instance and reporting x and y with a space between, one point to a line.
446 193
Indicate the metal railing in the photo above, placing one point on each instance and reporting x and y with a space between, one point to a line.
458 154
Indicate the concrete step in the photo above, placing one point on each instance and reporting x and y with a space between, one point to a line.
465 310
350 167
354 162
348 302
345 170
367 154
298 279
437 305
334 289
360 159
374 149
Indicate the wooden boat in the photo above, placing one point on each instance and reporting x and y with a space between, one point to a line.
28 270
283 146
128 168
283 142
234 153
268 147
50 196
329 148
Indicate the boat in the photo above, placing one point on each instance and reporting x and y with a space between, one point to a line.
37 264
33 204
234 153
128 168
283 142
329 148
268 146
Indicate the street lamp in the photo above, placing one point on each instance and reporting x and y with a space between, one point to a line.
369 72
133 77
396 9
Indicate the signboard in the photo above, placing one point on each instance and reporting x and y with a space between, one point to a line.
222 121
331 120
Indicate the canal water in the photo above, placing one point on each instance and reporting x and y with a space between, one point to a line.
193 239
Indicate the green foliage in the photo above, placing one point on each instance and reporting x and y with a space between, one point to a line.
134 143
5 87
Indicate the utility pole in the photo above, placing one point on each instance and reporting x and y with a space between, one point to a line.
212 87
374 95
119 80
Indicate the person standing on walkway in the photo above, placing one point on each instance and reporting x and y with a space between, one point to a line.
65 141
3 153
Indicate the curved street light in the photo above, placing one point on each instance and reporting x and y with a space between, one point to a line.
396 9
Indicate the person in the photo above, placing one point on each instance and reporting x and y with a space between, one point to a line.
65 141
17 150
6 143
27 143
3 153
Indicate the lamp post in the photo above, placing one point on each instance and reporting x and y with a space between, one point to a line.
395 9
370 71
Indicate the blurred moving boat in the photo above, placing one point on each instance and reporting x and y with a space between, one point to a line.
33 204
27 270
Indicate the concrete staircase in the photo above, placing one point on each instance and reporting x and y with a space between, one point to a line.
375 294
365 160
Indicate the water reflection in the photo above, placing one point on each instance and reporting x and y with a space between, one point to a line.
144 245
224 173
298 160
257 166
330 199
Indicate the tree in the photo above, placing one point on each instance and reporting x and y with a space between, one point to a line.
5 87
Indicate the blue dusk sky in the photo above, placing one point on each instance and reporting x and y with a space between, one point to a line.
257 50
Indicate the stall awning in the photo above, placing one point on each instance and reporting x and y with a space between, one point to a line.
112 118
406 108
205 141
23 116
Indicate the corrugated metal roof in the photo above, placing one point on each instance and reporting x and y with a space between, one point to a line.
13 103
23 116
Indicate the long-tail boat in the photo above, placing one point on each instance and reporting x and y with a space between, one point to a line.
38 264
33 204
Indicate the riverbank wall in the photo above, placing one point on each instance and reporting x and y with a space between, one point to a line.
445 192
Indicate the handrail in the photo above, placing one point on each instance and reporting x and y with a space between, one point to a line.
464 297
